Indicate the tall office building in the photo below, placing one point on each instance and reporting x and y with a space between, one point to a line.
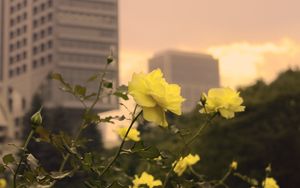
72 37
194 72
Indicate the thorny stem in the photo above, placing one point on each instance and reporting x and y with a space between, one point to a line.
24 149
121 145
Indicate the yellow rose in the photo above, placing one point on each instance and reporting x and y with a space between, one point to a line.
145 179
133 134
270 183
183 163
155 96
234 165
222 100
2 183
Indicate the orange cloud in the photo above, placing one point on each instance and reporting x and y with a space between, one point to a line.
242 63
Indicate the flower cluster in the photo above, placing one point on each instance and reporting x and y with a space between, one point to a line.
145 179
182 164
222 100
155 96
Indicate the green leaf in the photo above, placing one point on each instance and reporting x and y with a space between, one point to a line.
80 90
121 95
57 76
145 151
2 168
122 89
121 92
88 159
108 84
91 118
150 152
109 59
43 134
92 78
9 158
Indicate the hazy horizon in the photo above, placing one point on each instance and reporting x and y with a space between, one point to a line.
251 39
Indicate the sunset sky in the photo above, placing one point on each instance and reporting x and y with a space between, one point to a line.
252 39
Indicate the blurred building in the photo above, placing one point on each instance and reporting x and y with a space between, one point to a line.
72 37
194 72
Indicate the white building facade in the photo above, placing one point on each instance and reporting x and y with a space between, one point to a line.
72 37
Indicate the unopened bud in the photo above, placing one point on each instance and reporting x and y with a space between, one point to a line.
36 119
234 165
203 99
268 169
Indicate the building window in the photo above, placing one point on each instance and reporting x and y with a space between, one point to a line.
18 71
50 44
42 61
35 23
18 32
18 44
24 29
42 7
12 22
23 100
34 63
24 55
35 36
18 19
50 58
42 47
49 16
11 47
35 10
42 20
24 42
35 50
42 34
24 16
50 3
11 60
50 30
11 74
12 9
18 57
10 101
19 6
11 34
25 3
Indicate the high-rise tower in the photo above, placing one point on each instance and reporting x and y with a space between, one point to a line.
72 37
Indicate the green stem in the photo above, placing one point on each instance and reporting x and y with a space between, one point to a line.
22 157
120 147
186 146
66 158
81 128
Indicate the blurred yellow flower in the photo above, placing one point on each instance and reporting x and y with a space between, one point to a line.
133 134
183 163
145 179
234 165
2 183
155 96
270 183
223 100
